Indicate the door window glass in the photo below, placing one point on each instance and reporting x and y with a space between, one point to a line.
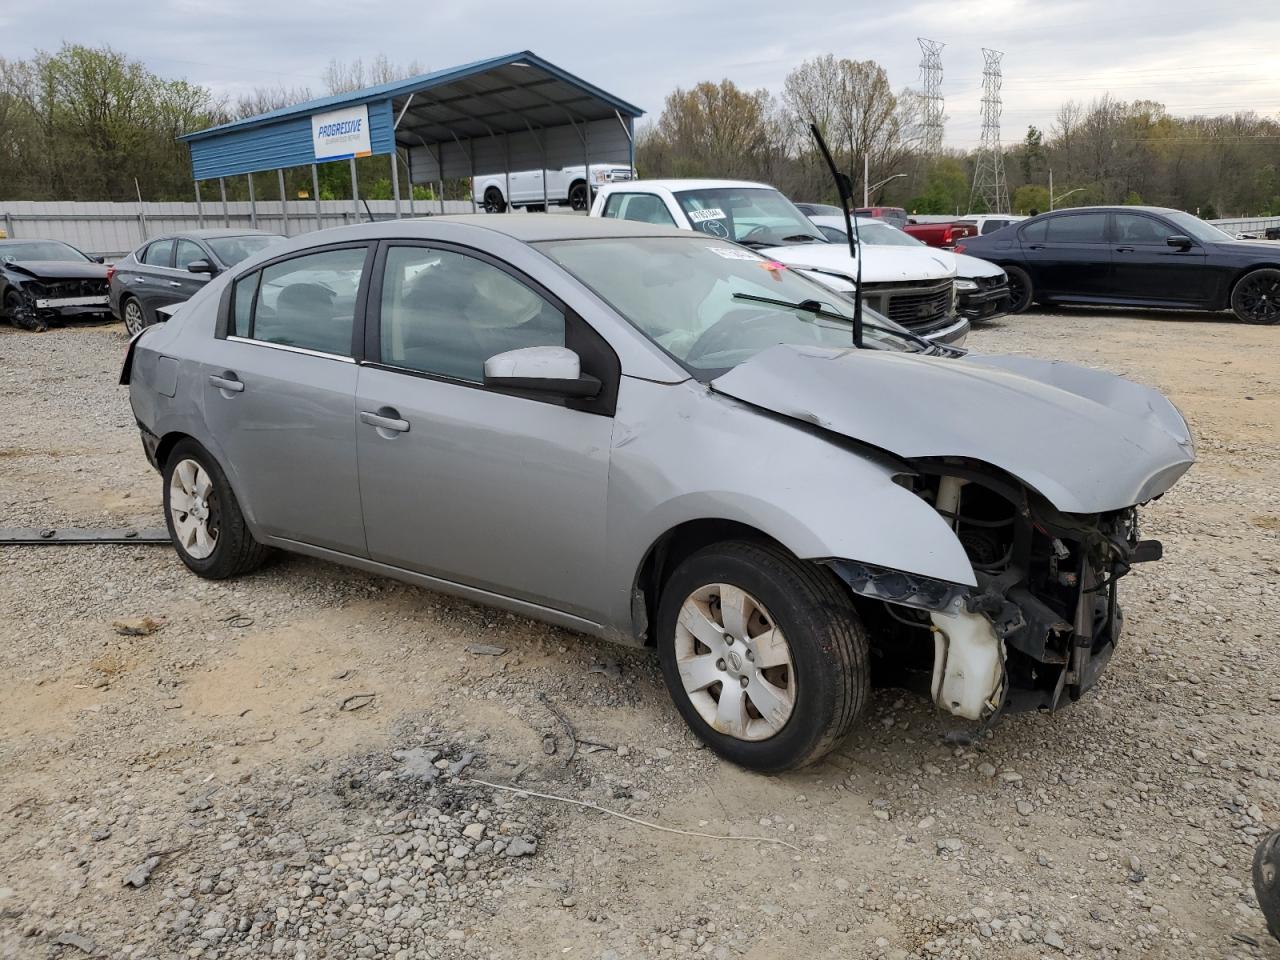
1078 228
991 226
310 301
1135 228
187 254
640 207
1035 231
446 313
158 254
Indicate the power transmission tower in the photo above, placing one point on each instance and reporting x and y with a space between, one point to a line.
931 81
988 177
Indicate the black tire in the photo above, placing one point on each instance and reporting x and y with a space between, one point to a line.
493 201
133 315
1256 297
235 552
1266 880
828 649
20 315
1021 295
579 196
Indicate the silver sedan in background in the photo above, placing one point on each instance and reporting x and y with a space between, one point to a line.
662 438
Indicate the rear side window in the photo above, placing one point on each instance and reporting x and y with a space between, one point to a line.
307 302
159 254
446 313
1079 228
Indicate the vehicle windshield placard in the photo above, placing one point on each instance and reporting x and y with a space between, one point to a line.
710 213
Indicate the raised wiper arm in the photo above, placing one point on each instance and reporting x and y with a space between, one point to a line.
816 308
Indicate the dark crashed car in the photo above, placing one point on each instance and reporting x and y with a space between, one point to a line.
48 281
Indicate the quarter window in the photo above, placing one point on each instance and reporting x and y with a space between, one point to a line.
307 302
1078 228
159 254
446 313
242 308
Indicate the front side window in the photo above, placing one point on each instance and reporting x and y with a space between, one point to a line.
187 254
446 313
307 302
1136 228
755 216
686 295
1078 228
640 207
159 254
1196 228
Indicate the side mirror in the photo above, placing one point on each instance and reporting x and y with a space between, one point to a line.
1180 241
201 266
551 370
98 259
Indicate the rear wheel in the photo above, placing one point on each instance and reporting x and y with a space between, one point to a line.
1020 292
134 318
763 654
1256 297
204 519
493 201
579 199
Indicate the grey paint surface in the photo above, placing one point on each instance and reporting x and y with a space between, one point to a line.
550 511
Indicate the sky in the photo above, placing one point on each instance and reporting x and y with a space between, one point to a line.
1192 56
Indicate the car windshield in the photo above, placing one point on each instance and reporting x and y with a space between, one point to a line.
41 250
231 250
686 295
759 216
1194 227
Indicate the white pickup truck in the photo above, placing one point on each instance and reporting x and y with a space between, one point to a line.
564 187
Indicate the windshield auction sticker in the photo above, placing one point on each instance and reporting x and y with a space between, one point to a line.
701 216
733 253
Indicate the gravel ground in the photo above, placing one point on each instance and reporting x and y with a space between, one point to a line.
289 764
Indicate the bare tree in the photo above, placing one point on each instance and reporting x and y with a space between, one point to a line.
265 99
345 76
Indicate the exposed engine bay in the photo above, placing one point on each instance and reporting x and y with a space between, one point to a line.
1044 618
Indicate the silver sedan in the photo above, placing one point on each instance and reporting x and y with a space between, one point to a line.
661 438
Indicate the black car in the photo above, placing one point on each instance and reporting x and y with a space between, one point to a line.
170 269
1134 257
48 280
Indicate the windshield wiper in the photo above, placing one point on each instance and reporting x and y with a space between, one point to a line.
803 238
816 308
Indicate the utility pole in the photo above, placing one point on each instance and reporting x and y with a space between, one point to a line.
931 83
1051 188
866 179
988 178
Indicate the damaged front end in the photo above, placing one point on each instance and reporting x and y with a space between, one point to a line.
1043 620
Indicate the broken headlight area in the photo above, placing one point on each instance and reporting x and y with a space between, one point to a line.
1040 626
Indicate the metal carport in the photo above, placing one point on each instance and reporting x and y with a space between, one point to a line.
516 112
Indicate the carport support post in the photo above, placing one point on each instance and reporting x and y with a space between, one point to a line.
284 204
408 178
395 180
226 211
355 191
253 207
315 192
199 207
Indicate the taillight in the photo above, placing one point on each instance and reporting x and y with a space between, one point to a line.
959 248
111 272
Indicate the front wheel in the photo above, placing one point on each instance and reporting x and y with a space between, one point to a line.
1256 298
764 655
205 522
21 315
1020 291
493 201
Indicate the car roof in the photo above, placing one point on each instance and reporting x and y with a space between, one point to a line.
213 233
1113 208
675 186
13 241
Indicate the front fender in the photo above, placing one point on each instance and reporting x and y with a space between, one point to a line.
682 453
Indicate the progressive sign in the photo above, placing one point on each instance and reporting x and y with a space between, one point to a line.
340 134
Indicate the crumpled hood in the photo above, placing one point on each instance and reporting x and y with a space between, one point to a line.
59 269
1087 441
971 268
879 264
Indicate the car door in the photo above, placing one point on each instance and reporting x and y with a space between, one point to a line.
1068 255
147 281
279 388
496 491
183 284
1145 267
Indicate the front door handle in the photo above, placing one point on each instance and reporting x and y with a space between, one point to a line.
385 418
230 382
174 283
1124 249
1035 246
137 279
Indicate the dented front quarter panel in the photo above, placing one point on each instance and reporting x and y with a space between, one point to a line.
681 452
1087 441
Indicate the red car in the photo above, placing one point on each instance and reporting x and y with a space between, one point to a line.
942 234
894 216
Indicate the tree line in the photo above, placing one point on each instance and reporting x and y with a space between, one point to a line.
89 123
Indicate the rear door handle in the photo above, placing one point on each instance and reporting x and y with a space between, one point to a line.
1035 246
230 382
1124 249
386 418
174 283
137 279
